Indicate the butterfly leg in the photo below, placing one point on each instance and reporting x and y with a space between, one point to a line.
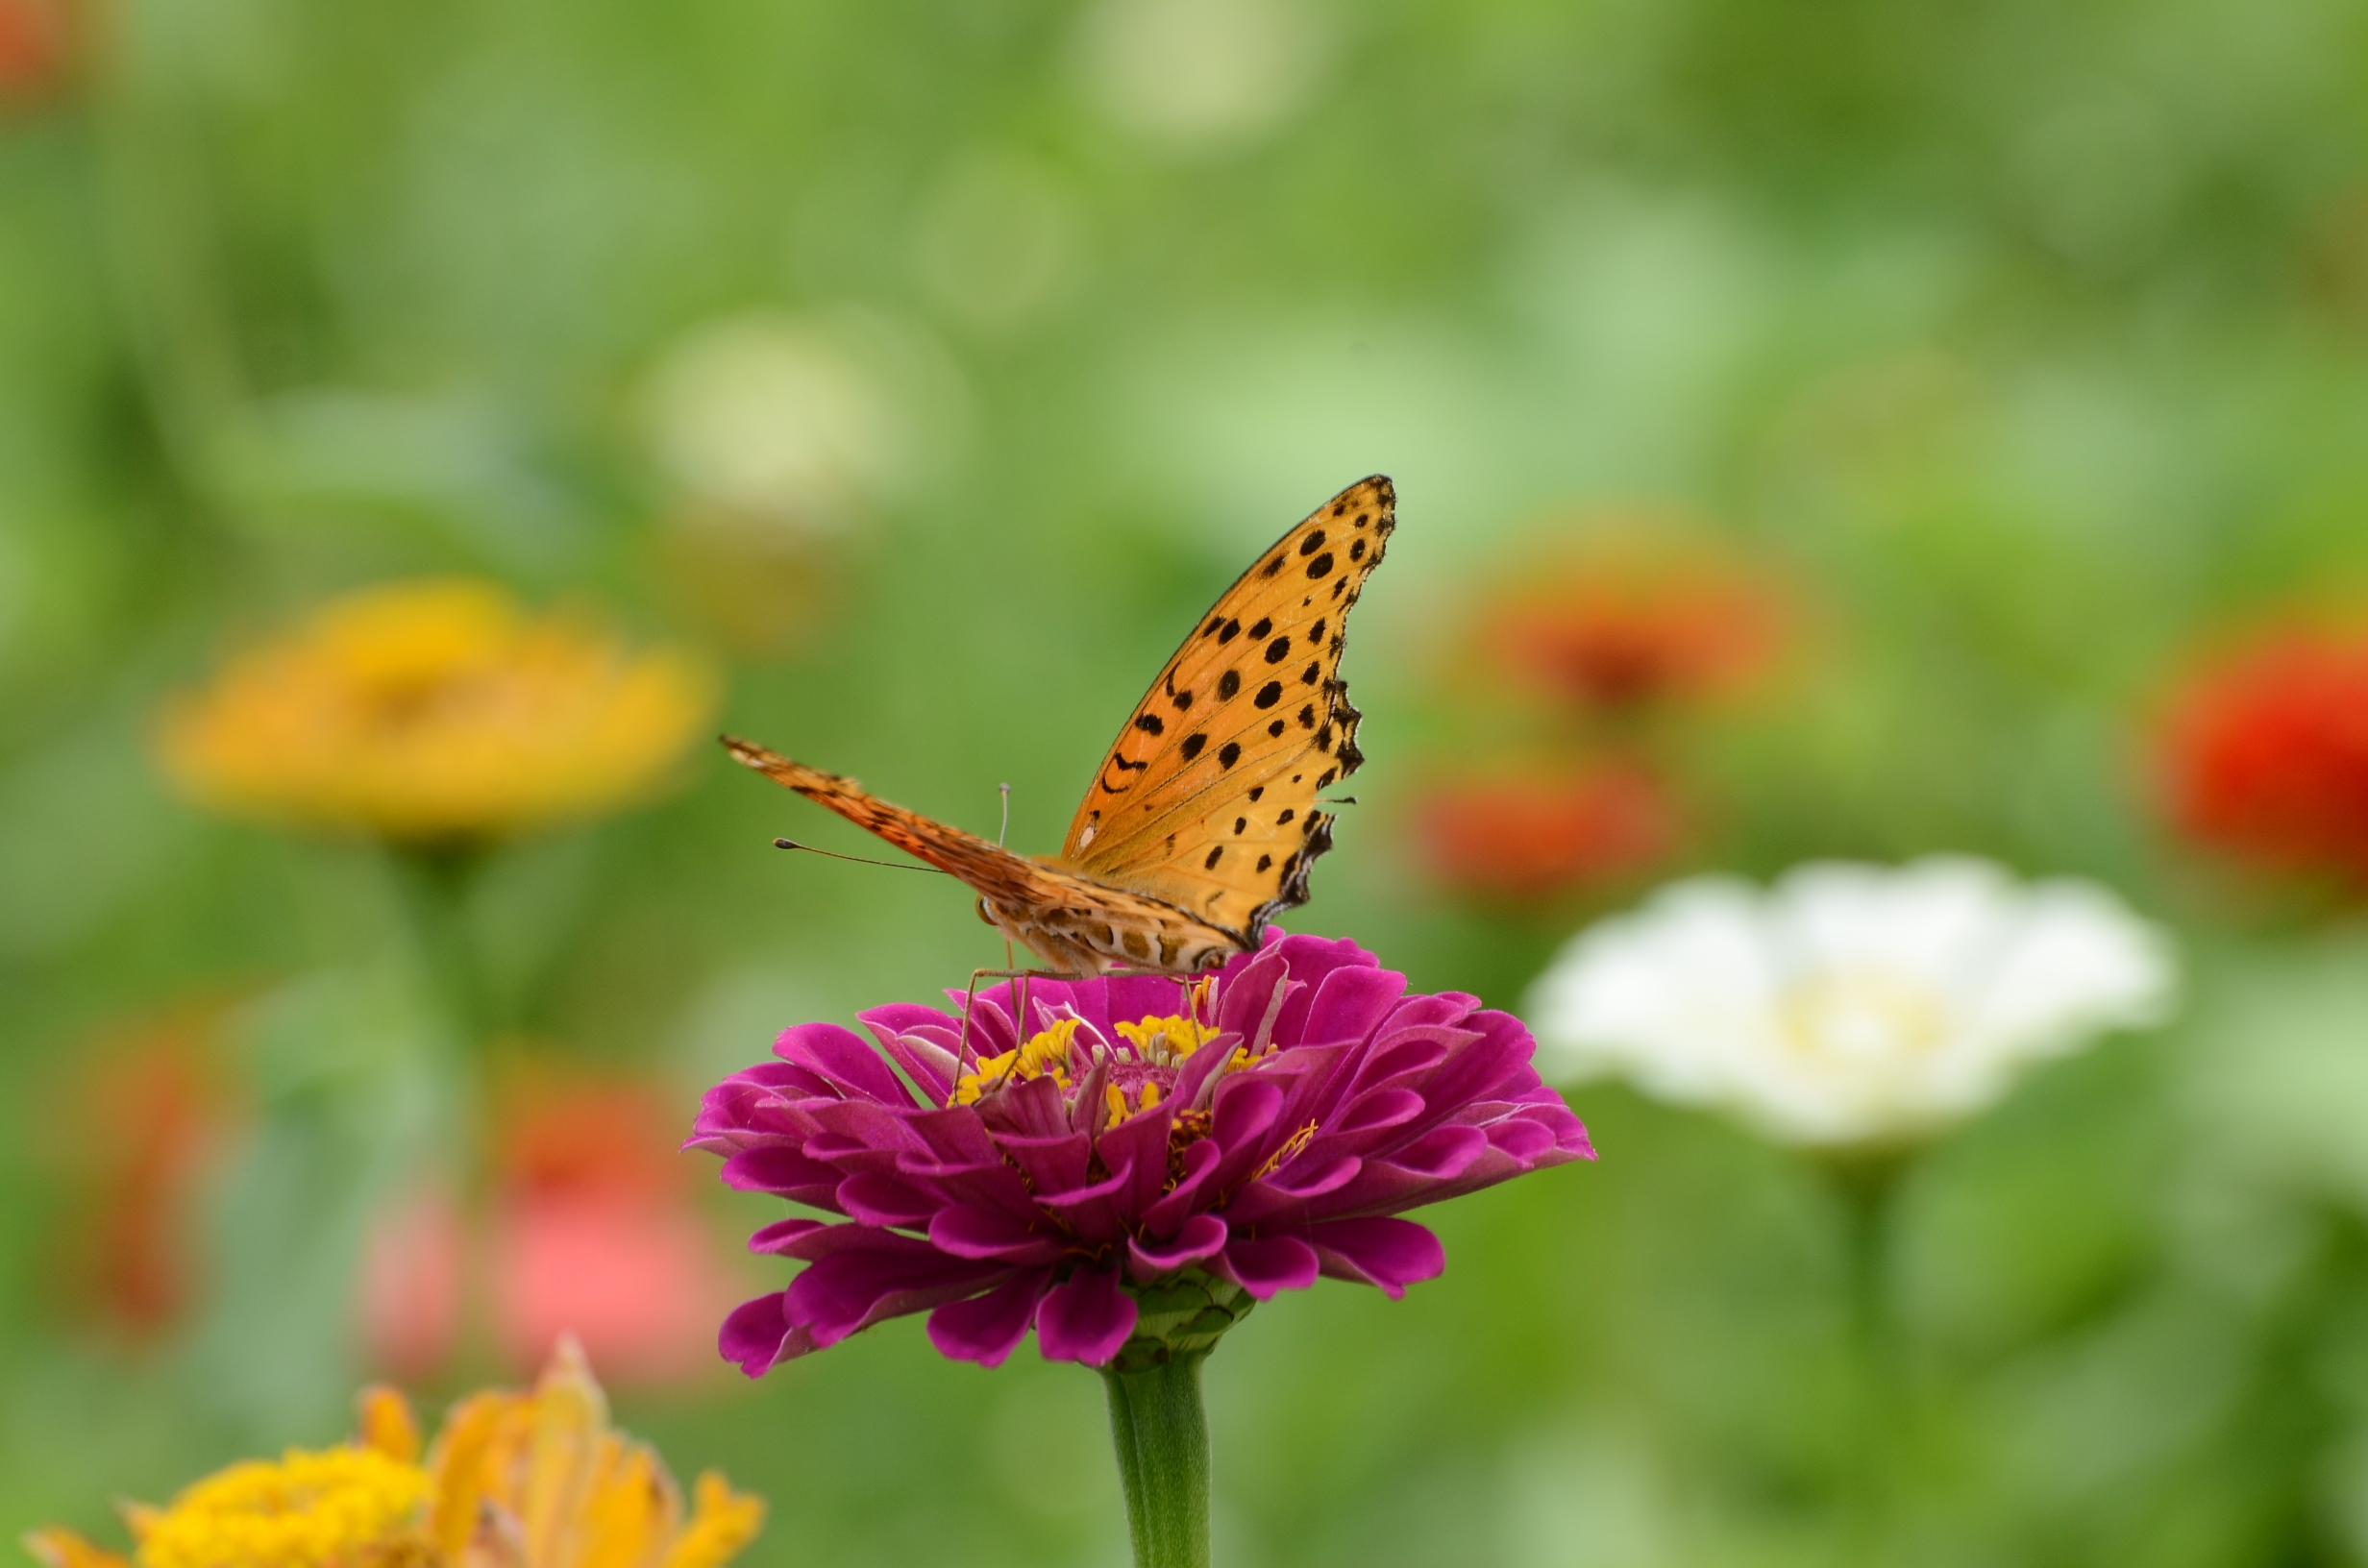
1183 983
970 994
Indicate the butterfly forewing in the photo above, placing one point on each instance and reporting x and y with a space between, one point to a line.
1207 798
1069 920
988 868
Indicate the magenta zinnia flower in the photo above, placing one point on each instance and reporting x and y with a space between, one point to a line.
1146 1150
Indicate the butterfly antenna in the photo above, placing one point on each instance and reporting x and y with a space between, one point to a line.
1003 832
891 865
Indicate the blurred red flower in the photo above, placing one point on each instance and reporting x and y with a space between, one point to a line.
147 1112
591 1228
1526 837
2265 754
32 47
596 1234
1629 620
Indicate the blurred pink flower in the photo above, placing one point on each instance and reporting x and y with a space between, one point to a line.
591 1230
413 1268
635 1280
596 1234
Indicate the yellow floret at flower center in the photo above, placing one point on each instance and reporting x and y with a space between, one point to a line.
1862 1017
1043 1053
345 1508
1166 1041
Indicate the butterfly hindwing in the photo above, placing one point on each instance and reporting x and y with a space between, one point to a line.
1207 798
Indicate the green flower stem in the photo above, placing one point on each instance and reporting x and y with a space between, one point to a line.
1162 1446
433 884
1868 1186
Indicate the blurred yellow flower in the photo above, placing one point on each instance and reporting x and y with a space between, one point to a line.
515 1479
431 712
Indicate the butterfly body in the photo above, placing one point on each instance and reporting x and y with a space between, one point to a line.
1201 823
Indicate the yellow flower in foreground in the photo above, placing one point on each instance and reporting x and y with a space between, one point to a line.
435 711
515 1479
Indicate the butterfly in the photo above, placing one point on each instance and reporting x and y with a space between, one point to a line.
1202 822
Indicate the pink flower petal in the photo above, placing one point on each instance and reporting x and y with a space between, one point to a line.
972 1230
1202 1236
986 1329
1390 1253
1264 1265
1085 1319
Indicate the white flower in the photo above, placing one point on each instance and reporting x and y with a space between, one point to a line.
1201 75
802 424
1849 1003
997 240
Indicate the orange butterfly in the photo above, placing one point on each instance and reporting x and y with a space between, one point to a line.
1202 823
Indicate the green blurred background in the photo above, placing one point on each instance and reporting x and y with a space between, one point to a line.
2029 341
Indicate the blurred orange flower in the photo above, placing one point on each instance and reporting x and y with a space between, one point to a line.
146 1110
1630 620
2265 754
515 1479
1523 836
32 47
435 712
